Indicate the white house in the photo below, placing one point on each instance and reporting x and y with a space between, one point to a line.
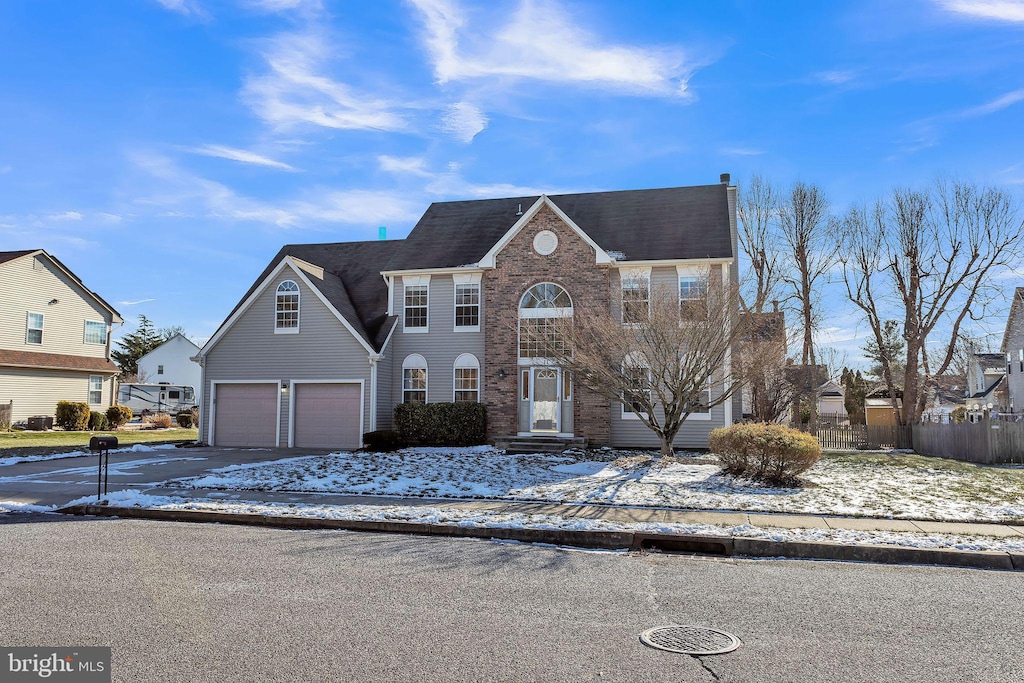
170 363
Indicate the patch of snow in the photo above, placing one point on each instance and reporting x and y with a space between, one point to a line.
135 448
14 506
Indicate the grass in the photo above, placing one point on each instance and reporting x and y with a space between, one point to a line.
79 440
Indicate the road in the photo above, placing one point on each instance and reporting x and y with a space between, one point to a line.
220 603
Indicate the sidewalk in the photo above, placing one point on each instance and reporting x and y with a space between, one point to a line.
595 526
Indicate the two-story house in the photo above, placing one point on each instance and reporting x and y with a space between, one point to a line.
1013 348
331 337
171 363
54 337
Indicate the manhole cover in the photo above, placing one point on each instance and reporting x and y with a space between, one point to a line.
690 640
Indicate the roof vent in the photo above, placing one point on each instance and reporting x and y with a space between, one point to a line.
520 211
724 178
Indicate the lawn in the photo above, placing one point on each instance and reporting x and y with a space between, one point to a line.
854 484
42 443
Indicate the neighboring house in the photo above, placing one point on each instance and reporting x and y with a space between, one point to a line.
54 337
986 373
331 337
878 408
945 395
1013 348
171 363
831 400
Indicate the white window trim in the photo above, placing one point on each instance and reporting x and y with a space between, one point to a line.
298 293
412 362
415 281
464 279
88 397
159 369
465 361
526 313
42 327
637 362
85 333
633 274
707 415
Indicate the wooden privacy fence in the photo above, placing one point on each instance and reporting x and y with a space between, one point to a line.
5 414
996 441
862 436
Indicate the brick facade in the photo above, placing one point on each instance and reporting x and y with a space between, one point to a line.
517 268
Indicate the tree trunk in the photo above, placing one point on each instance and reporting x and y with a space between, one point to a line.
667 451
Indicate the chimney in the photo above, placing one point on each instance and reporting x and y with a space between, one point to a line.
724 178
382 233
775 305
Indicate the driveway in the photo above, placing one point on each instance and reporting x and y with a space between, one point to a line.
55 482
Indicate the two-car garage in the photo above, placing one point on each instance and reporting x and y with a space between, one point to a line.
319 414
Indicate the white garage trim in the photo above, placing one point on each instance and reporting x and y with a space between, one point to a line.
213 404
291 404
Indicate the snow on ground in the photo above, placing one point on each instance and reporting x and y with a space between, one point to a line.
492 519
15 506
888 486
137 448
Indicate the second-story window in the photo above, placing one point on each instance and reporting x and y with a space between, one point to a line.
636 298
34 333
95 332
416 306
159 369
287 307
467 306
693 290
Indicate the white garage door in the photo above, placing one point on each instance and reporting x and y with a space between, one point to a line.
327 415
246 415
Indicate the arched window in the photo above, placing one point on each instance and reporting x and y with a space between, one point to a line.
539 312
414 379
286 317
467 379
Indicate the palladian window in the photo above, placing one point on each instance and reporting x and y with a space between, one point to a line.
540 311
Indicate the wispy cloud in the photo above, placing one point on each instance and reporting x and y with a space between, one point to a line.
741 151
543 42
134 303
927 132
6 169
836 76
295 90
283 5
240 155
997 10
409 165
190 8
998 104
65 216
464 120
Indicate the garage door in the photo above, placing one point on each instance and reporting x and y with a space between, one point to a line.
327 415
246 415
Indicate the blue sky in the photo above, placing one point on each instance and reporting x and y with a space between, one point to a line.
166 149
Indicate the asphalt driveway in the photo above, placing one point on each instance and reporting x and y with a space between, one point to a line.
55 482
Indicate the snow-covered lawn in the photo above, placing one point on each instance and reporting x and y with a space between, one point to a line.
894 485
493 519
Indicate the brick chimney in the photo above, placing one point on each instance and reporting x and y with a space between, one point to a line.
724 178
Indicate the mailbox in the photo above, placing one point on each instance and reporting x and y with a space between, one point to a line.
102 443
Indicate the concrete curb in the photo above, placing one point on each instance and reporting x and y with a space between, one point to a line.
723 546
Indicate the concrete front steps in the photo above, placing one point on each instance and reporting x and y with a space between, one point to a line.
539 444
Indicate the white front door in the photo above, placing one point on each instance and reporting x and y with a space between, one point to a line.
545 402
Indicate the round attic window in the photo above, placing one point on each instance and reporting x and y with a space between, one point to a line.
545 242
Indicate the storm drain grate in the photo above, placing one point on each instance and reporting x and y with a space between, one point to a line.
690 640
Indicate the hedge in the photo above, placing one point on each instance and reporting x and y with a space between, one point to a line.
770 453
441 424
72 416
382 441
118 415
188 419
97 421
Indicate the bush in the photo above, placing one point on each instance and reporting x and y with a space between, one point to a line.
766 452
117 416
72 416
958 415
97 421
382 440
188 419
441 424
159 420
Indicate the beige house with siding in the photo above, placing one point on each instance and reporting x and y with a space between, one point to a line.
54 337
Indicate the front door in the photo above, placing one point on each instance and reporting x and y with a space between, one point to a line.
545 402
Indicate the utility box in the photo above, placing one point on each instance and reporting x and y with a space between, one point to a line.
40 423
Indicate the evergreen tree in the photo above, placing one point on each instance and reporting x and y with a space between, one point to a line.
855 388
134 346
888 352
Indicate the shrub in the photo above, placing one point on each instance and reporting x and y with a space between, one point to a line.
97 421
382 440
441 424
117 416
72 416
958 415
188 418
158 420
766 452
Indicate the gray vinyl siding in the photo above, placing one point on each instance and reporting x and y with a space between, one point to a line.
35 391
628 432
28 284
385 386
323 349
440 346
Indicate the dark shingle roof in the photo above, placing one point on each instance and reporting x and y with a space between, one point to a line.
669 223
351 282
11 255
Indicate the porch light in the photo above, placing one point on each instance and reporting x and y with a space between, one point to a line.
284 385
501 373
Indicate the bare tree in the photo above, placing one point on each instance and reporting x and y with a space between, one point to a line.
805 230
758 213
664 365
762 365
928 257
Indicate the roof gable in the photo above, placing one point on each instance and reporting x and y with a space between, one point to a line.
1016 309
6 256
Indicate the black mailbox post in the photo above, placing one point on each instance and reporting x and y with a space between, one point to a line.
102 445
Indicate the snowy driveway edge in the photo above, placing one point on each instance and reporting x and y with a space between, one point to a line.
606 540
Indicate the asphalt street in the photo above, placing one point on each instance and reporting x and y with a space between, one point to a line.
197 602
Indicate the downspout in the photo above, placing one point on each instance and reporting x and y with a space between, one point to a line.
373 396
